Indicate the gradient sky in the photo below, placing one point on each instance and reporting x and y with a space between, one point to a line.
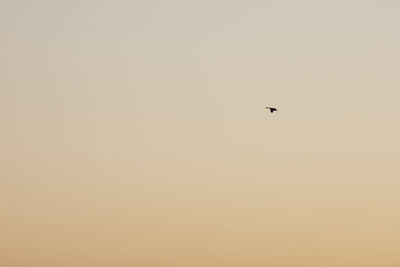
134 133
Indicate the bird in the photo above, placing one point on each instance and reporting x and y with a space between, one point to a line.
271 109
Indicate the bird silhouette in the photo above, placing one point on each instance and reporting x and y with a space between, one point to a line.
271 109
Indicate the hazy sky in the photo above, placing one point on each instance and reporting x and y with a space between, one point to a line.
134 133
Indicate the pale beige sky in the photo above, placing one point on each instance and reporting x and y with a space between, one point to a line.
134 133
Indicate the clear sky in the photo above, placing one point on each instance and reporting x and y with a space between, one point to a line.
134 133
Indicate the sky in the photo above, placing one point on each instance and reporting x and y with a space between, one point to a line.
134 133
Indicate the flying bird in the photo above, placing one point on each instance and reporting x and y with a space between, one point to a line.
271 109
